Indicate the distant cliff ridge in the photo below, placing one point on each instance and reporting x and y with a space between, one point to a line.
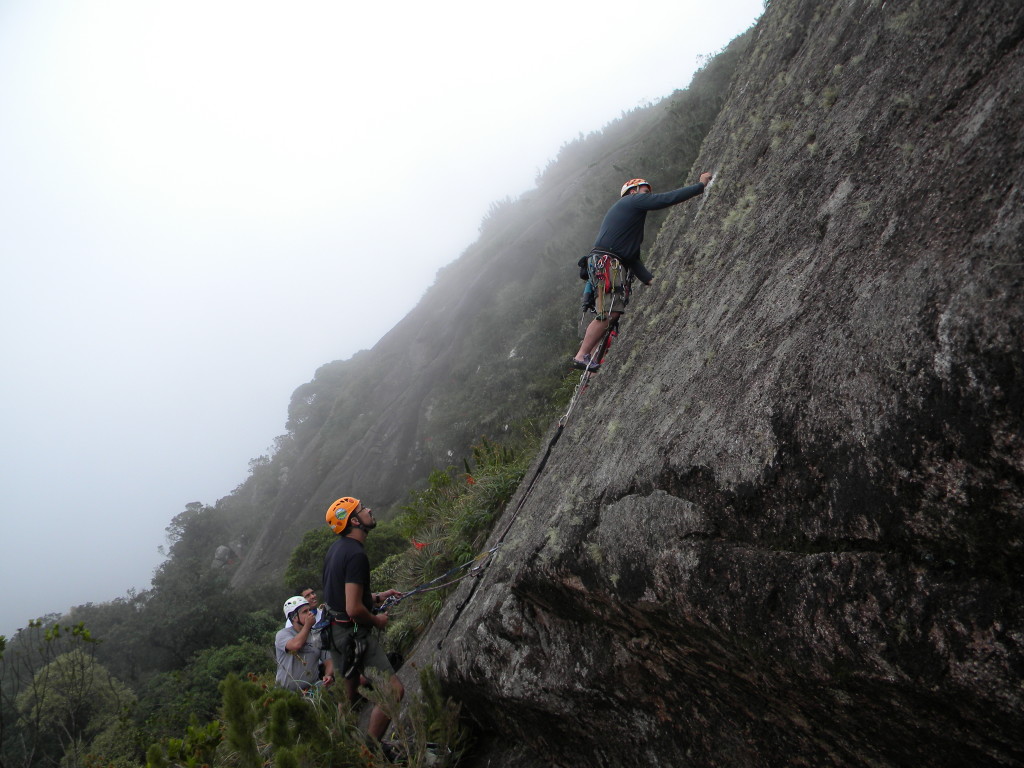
785 525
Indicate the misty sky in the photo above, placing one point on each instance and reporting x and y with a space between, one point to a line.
203 202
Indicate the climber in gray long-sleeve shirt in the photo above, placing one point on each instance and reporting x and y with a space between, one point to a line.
621 235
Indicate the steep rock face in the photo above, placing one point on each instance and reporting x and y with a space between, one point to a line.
785 524
376 425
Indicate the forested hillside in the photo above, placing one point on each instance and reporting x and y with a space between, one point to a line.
475 372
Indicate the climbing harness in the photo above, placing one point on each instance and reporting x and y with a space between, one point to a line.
607 278
352 645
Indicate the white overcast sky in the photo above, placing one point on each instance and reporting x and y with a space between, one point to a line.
203 202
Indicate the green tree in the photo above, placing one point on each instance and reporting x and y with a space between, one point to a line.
191 606
22 659
306 563
172 699
71 700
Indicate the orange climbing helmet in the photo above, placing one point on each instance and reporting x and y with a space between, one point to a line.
340 511
633 184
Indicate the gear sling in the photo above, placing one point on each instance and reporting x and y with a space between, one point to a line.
605 277
352 645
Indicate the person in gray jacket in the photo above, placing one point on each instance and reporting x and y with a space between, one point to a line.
299 657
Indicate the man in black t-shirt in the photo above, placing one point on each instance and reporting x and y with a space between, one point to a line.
352 606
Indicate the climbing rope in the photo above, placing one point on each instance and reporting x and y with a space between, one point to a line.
608 277
432 585
581 387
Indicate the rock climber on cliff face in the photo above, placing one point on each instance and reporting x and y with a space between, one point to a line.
621 234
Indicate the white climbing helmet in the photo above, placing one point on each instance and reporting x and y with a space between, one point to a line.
292 604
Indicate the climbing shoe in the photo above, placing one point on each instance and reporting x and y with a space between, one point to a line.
586 364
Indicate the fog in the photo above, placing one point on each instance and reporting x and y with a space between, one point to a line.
203 202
